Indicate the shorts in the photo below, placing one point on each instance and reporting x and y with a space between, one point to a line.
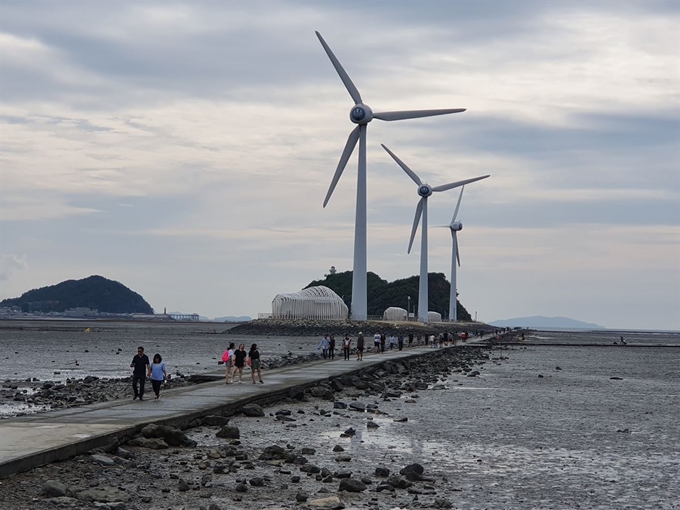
228 363
255 364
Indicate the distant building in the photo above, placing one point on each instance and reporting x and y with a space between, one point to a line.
434 317
312 303
394 313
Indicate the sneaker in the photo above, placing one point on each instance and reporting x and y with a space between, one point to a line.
135 397
261 381
141 398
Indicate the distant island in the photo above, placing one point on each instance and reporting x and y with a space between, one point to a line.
94 293
231 318
383 294
541 322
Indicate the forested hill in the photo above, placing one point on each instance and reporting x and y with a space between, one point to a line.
383 294
95 292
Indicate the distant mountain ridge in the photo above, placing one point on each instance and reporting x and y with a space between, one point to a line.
94 292
541 322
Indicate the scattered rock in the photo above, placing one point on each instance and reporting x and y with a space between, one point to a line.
54 489
352 485
253 410
228 432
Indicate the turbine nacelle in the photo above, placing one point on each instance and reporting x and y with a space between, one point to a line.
456 226
361 114
424 190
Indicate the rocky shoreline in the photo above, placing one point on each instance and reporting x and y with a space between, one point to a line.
307 451
311 327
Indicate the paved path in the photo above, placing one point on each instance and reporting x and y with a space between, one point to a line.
37 439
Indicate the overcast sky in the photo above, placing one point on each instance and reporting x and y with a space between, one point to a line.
185 149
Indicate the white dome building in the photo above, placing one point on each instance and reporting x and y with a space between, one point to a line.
394 313
434 317
312 303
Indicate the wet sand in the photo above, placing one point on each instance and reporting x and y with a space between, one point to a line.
600 431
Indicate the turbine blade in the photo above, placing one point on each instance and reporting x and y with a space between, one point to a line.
414 114
416 220
444 187
346 153
341 71
455 242
455 213
403 165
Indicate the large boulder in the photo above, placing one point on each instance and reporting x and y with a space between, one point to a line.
352 485
229 432
170 435
54 489
153 443
253 410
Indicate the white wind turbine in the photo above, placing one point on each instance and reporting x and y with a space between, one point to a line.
424 191
361 114
454 227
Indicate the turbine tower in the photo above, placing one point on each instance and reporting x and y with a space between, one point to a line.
424 191
454 227
361 114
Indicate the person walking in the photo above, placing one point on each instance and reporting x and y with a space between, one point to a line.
157 374
346 346
400 342
331 347
254 356
323 345
228 358
360 346
391 342
376 343
239 362
140 365
410 338
383 338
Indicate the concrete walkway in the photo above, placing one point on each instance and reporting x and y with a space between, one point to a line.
38 439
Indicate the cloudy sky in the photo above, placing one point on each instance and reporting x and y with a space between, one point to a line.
185 149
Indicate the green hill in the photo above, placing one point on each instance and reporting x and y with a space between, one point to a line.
383 294
95 292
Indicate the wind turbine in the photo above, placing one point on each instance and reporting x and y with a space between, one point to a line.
454 227
424 191
361 114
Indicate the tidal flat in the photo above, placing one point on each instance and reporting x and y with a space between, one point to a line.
539 427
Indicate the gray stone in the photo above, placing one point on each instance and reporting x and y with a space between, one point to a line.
103 460
352 485
54 489
182 485
253 410
151 443
104 495
442 503
383 472
229 432
170 435
372 425
399 482
331 503
257 482
214 420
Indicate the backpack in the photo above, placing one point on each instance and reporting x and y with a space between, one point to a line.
225 356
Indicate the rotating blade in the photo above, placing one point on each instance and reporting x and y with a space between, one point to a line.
414 114
416 220
451 185
403 165
346 153
455 212
341 72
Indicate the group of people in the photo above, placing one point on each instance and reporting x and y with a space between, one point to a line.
381 342
238 359
143 369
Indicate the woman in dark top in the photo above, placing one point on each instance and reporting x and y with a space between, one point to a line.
254 355
240 361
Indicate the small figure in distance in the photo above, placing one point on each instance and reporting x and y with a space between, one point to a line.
360 346
323 345
623 341
157 374
228 358
346 346
140 365
240 362
331 347
254 356
391 341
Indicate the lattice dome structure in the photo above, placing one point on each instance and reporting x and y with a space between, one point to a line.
394 313
434 317
311 303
